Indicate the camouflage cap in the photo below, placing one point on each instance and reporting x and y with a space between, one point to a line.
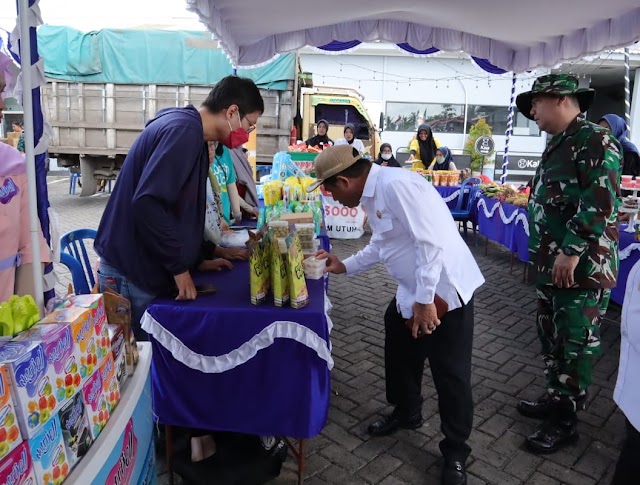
555 85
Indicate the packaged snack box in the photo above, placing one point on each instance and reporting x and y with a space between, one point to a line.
32 384
95 404
75 429
110 383
10 436
121 370
84 336
61 356
17 467
116 337
119 313
50 463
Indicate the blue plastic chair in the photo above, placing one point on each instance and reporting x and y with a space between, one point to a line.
73 180
73 250
77 274
464 208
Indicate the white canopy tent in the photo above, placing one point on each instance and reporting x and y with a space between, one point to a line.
513 35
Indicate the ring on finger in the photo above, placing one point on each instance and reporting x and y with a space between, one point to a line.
431 327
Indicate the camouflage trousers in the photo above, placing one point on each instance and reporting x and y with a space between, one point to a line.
568 324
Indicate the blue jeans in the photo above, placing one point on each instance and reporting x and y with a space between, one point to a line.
110 277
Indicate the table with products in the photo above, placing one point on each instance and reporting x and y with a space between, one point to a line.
74 406
504 224
221 363
508 226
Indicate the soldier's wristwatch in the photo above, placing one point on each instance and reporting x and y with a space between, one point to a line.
569 252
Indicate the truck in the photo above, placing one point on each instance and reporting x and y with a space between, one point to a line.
98 99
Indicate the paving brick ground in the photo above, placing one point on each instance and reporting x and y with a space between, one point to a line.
506 367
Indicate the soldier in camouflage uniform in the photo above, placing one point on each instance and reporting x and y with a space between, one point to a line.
573 248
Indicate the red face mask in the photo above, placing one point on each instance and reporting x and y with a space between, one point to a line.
237 137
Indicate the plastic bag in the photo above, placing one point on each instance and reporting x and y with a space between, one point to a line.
235 239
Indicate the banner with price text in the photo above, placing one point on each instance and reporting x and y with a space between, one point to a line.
342 222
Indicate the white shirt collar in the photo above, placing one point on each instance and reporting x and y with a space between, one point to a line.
372 181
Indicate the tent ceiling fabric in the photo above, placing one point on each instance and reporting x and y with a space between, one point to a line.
515 35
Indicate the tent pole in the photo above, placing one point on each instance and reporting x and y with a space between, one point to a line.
627 91
505 158
27 104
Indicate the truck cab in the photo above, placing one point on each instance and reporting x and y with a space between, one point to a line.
338 106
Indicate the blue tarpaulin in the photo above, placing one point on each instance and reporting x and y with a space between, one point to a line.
148 57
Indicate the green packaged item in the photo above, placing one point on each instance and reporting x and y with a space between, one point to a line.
279 277
18 314
299 295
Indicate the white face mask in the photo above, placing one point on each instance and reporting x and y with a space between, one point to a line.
440 159
386 156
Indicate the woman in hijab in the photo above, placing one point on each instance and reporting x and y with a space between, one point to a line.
424 146
350 138
385 157
322 127
444 160
631 155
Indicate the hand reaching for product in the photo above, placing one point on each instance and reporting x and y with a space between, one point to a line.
215 265
334 265
232 254
186 288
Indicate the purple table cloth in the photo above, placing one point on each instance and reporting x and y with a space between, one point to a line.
629 256
449 194
508 225
221 363
505 224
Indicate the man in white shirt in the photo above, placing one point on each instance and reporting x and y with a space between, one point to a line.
627 393
418 241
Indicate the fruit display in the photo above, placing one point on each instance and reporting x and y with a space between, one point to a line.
50 463
303 148
10 436
506 193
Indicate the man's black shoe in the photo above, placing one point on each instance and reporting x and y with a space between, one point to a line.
454 473
554 434
539 409
391 423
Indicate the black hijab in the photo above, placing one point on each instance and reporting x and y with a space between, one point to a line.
317 140
427 148
352 127
392 162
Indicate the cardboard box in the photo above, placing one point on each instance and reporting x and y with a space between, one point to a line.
17 467
110 385
32 384
121 371
50 463
84 336
117 337
61 355
118 310
94 305
95 404
75 429
10 437
297 217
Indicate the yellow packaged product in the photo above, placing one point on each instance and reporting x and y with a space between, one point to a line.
299 294
256 275
279 279
272 193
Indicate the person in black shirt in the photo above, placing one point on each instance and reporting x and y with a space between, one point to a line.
385 157
322 127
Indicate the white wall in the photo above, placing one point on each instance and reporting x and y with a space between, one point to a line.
402 78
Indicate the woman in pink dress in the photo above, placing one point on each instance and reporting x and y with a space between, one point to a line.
15 238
